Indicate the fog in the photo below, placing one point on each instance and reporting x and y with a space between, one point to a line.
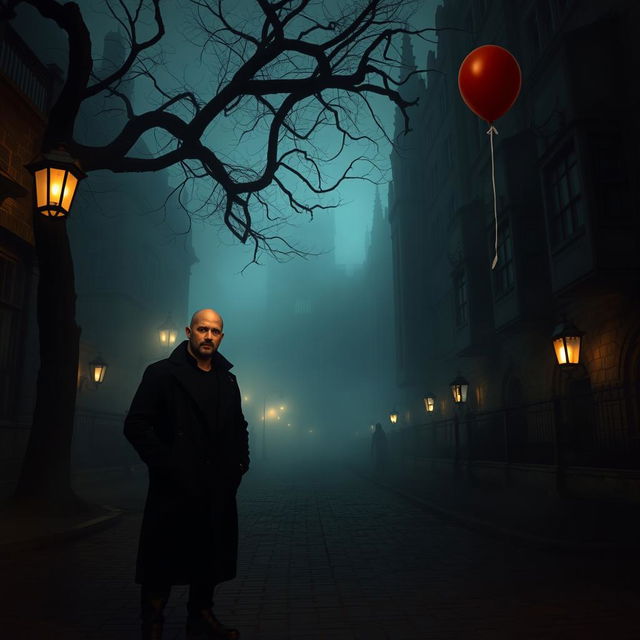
312 333
296 330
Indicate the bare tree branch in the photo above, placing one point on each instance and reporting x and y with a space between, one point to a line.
289 76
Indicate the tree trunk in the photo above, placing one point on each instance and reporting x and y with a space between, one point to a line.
45 479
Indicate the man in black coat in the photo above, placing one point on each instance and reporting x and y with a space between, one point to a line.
186 423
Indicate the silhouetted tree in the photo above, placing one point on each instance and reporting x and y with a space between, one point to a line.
290 73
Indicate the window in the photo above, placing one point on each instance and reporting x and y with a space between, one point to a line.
564 201
504 274
11 298
460 297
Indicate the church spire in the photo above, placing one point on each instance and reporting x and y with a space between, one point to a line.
413 87
377 207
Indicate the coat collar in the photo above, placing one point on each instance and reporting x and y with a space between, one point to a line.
183 372
181 356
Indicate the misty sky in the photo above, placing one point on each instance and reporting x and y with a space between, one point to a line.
181 63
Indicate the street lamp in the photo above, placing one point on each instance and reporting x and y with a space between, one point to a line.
98 368
393 416
168 332
268 413
567 340
56 176
429 402
459 388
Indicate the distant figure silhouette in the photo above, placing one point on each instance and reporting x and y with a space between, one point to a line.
379 450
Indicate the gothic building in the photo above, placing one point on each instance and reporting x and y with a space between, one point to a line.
568 241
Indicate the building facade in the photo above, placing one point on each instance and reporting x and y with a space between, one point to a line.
132 253
568 241
26 89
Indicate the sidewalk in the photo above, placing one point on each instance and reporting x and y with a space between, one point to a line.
525 516
22 531
325 554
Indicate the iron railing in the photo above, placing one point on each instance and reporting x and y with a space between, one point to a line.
596 429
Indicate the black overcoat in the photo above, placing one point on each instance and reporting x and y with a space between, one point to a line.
190 525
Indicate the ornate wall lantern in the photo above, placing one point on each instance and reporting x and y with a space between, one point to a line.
168 332
97 368
56 175
429 402
459 388
567 340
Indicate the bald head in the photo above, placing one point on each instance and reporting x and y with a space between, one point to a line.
204 334
205 314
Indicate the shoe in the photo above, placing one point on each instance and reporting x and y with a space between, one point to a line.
152 616
151 631
206 625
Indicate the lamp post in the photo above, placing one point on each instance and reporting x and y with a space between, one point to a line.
459 389
393 417
56 176
567 341
272 413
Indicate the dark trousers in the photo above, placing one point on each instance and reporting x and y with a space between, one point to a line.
154 597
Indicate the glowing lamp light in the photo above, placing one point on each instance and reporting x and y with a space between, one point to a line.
98 368
429 402
459 389
393 416
567 340
56 176
168 332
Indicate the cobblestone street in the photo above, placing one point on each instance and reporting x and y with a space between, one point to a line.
324 554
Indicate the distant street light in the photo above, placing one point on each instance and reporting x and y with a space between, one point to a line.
567 340
271 413
393 416
56 176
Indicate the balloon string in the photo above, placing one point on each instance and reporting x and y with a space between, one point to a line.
491 132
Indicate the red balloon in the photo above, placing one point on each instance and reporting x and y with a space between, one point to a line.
489 80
